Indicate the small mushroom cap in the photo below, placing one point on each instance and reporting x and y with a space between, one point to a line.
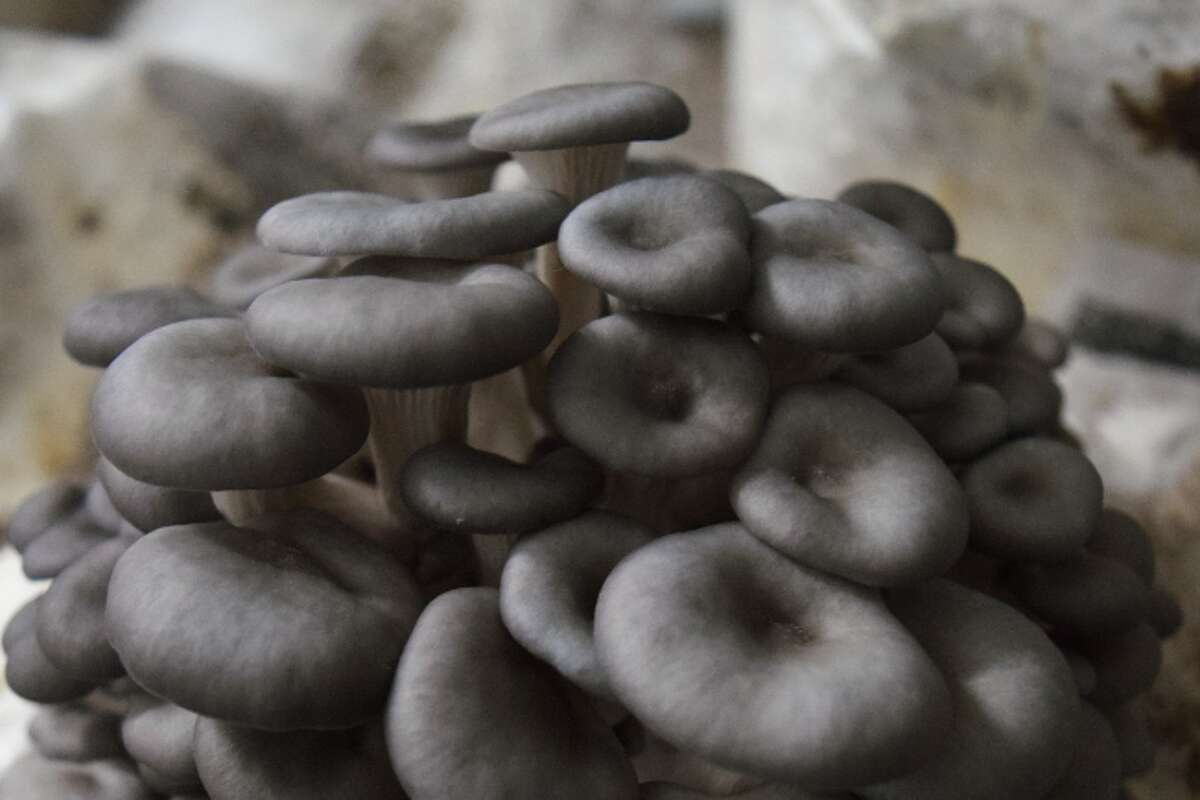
1033 499
1126 664
755 193
158 736
33 777
675 244
983 308
549 588
829 277
473 715
911 378
720 645
400 324
103 327
76 732
454 487
70 616
1165 615
1040 342
437 146
28 671
239 763
842 483
580 115
52 503
465 228
1119 536
301 618
1095 768
657 395
1031 397
149 507
191 406
254 269
61 545
1087 595
971 421
912 212
1015 703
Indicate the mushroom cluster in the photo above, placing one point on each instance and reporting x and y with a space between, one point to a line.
629 480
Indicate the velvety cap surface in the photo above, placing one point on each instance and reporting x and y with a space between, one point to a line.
910 211
253 269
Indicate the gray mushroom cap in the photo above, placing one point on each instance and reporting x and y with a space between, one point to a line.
52 503
660 790
581 115
755 193
454 487
254 269
238 763
33 777
436 146
103 327
912 212
1087 595
463 228
69 622
1031 397
549 588
53 528
28 671
473 715
393 323
1135 743
1165 614
1040 342
831 278
191 406
1015 703
972 420
158 736
842 483
1119 536
295 623
675 244
76 731
911 378
148 507
1126 663
1095 768
720 645
1032 499
657 395
983 308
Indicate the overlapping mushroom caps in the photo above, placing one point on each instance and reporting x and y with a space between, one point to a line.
436 158
912 212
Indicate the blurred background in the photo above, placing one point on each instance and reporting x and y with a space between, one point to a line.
140 140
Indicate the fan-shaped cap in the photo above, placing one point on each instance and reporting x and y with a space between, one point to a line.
657 395
361 224
454 487
434 146
472 714
191 406
1120 537
982 308
33 777
76 731
912 212
722 646
1015 704
302 619
1033 499
1031 396
675 244
236 762
54 502
549 588
254 269
1087 595
755 193
581 115
54 527
842 483
28 671
972 419
829 277
70 616
103 327
149 507
917 376
158 736
401 324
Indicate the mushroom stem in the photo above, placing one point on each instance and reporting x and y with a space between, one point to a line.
354 502
404 421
